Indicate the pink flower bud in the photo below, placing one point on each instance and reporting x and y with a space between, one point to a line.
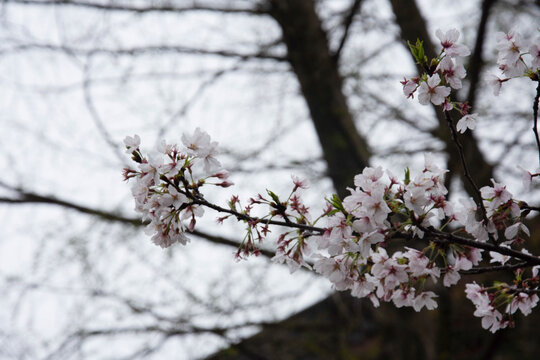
225 183
222 174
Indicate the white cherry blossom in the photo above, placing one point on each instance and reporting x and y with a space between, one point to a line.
467 122
432 90
448 42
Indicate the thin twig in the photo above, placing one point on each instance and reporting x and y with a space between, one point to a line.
96 117
439 236
346 27
139 51
485 269
248 218
530 208
25 197
431 234
258 10
535 119
466 169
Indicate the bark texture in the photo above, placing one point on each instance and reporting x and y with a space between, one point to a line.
344 149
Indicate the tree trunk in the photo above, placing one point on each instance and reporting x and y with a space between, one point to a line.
345 150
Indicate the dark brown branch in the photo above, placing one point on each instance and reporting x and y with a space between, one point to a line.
25 197
465 168
451 238
29 198
244 217
432 234
527 291
346 27
535 118
485 269
111 6
530 208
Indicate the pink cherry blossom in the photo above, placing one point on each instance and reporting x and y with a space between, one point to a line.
467 122
524 302
448 42
512 231
495 195
510 47
403 298
491 318
132 143
499 258
409 86
452 72
432 91
495 83
425 298
451 277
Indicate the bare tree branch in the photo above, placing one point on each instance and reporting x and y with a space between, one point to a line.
94 114
535 118
451 238
484 269
346 27
257 10
139 51
25 197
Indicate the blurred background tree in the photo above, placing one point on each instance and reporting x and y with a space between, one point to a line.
301 86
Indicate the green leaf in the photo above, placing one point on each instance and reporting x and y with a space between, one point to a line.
420 49
407 176
335 201
335 211
273 196
417 51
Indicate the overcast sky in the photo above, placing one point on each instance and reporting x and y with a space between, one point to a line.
63 115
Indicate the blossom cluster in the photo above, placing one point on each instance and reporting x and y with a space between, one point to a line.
390 239
381 211
356 248
442 75
517 57
168 181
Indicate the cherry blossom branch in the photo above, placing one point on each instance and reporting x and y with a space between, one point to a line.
526 291
256 220
530 208
451 238
352 250
436 235
26 197
466 171
485 269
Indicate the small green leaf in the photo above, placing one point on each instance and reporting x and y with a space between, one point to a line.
335 211
407 176
335 201
420 49
417 51
273 196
